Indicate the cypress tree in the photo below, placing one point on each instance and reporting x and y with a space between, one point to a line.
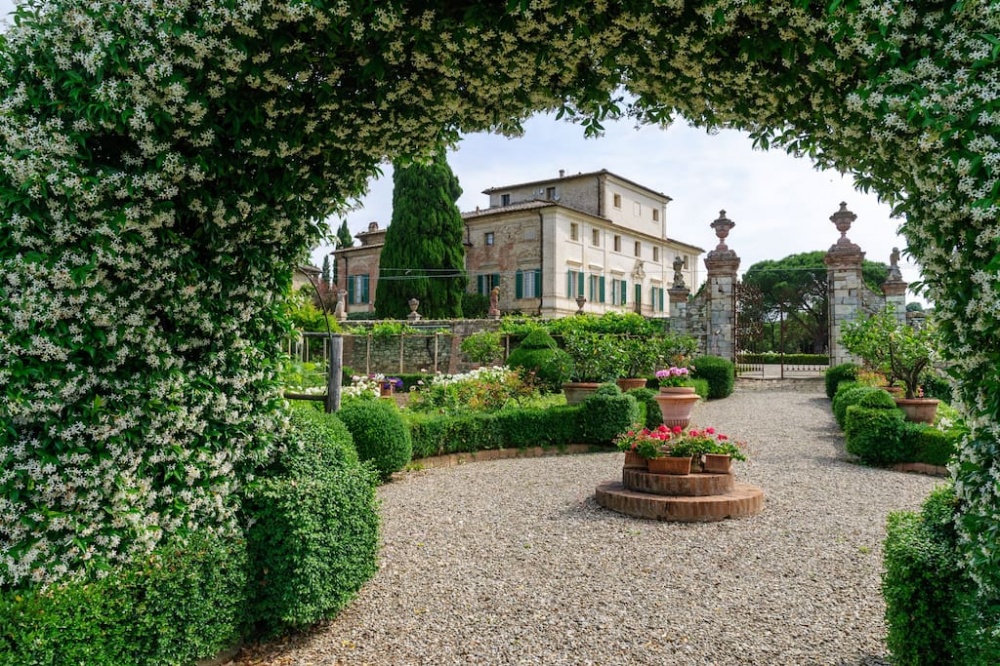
344 236
423 256
326 276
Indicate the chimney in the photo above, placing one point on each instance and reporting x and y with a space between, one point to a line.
562 173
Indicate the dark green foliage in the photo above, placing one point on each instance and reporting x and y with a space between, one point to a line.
185 601
849 395
437 434
936 386
720 373
877 399
313 534
927 444
423 256
797 287
344 236
875 435
652 416
926 592
379 432
845 372
607 413
539 356
610 323
775 358
475 306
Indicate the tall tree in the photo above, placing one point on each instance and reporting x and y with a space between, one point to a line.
795 290
423 256
326 276
344 236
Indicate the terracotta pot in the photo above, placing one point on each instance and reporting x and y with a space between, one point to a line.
385 389
634 460
577 392
717 463
629 383
677 390
920 410
670 465
676 407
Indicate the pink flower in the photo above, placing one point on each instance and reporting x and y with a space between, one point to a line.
678 430
710 431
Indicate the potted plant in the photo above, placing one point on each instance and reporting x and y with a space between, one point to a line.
714 451
676 400
902 352
596 360
639 357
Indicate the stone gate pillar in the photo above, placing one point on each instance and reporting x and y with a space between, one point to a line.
844 283
720 290
679 300
894 288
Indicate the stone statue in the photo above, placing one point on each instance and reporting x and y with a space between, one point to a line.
495 302
340 311
894 258
678 275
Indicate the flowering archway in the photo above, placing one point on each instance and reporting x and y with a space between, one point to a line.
163 164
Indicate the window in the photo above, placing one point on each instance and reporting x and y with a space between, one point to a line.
358 289
638 249
637 209
595 293
638 298
595 237
617 201
656 253
574 231
656 215
528 283
657 300
486 282
488 238
574 283
619 292
550 193
618 243
505 199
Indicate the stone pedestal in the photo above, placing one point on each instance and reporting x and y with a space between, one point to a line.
845 284
720 292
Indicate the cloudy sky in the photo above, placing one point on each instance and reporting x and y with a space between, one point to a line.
781 205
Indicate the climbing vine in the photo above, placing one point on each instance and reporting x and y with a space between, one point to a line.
163 164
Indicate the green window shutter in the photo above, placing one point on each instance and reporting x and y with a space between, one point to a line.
569 284
495 280
638 295
365 280
662 308
480 284
624 292
519 284
602 289
579 283
350 289
538 283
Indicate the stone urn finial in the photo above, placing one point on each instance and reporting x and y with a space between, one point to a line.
580 302
723 225
843 219
414 315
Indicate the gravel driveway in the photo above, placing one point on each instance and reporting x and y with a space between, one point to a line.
512 561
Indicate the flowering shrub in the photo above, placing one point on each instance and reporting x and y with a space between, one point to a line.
672 376
134 408
479 390
676 441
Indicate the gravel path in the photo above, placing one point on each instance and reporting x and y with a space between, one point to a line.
512 561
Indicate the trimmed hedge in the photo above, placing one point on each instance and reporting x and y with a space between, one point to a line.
719 372
540 356
438 434
845 372
379 432
650 416
875 435
183 602
606 414
849 394
925 443
313 534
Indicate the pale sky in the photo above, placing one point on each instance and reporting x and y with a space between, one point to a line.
781 205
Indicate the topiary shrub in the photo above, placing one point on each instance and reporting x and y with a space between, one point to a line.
606 413
877 399
929 445
183 602
539 356
875 435
313 534
849 395
845 372
720 373
922 583
653 417
379 432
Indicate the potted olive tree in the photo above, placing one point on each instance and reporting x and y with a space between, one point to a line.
597 358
